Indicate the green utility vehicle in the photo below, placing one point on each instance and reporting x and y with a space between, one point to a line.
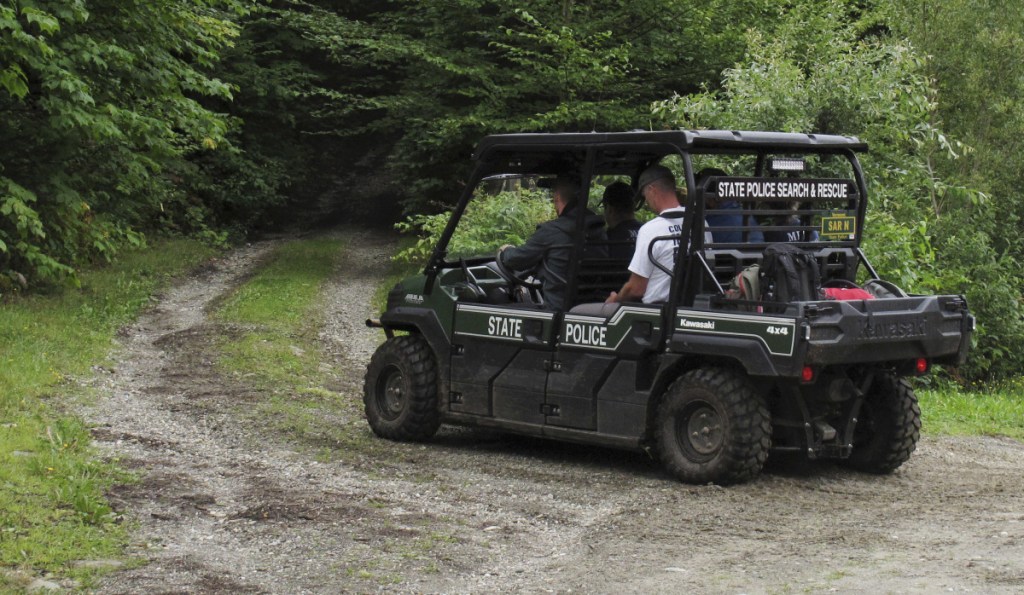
711 382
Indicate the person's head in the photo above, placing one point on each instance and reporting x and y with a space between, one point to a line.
618 203
564 193
657 184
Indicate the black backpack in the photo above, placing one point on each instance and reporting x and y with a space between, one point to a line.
788 274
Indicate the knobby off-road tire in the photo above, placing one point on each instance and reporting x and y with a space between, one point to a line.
712 426
400 390
888 426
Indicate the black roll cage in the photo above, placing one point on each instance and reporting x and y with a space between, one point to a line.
552 154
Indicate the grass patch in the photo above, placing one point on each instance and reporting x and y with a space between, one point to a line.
279 308
283 294
279 313
278 351
52 505
995 412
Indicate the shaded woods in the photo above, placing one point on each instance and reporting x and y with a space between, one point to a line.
127 119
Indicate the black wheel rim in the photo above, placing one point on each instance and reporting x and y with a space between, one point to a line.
699 431
391 393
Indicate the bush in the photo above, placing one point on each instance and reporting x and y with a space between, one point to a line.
489 222
994 286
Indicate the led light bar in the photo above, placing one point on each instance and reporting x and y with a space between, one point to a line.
786 164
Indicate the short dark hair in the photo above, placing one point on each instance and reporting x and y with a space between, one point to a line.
657 173
618 196
566 185
709 172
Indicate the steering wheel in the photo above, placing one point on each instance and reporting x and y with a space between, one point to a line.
529 281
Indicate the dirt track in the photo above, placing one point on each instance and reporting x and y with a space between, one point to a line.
231 503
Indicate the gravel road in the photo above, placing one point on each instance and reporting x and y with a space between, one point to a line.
228 502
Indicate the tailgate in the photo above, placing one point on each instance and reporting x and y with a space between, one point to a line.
934 327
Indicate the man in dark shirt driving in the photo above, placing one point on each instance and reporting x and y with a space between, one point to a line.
551 265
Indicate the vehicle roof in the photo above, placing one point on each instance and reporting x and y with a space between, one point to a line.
723 140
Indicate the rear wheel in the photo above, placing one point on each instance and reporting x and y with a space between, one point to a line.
712 426
888 426
400 390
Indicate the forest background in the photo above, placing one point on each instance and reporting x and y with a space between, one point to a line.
127 119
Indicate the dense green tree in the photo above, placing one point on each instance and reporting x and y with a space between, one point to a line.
101 104
972 52
416 83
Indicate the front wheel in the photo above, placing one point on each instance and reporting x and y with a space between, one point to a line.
888 426
400 390
712 426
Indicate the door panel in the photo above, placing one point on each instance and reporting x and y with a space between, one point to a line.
589 347
572 389
518 391
498 361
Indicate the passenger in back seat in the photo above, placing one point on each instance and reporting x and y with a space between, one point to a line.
648 282
712 201
793 219
621 218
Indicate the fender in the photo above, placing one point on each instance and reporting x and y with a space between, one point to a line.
747 353
425 322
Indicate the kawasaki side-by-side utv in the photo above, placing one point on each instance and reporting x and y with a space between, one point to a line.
709 384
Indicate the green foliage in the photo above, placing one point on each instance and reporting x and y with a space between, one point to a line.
284 146
902 254
102 111
488 223
819 72
414 84
971 48
994 285
827 67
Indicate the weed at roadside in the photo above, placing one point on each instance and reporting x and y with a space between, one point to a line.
53 511
995 412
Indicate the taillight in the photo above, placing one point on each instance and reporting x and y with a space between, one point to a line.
921 366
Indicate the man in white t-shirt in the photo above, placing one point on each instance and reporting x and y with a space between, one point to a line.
647 281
